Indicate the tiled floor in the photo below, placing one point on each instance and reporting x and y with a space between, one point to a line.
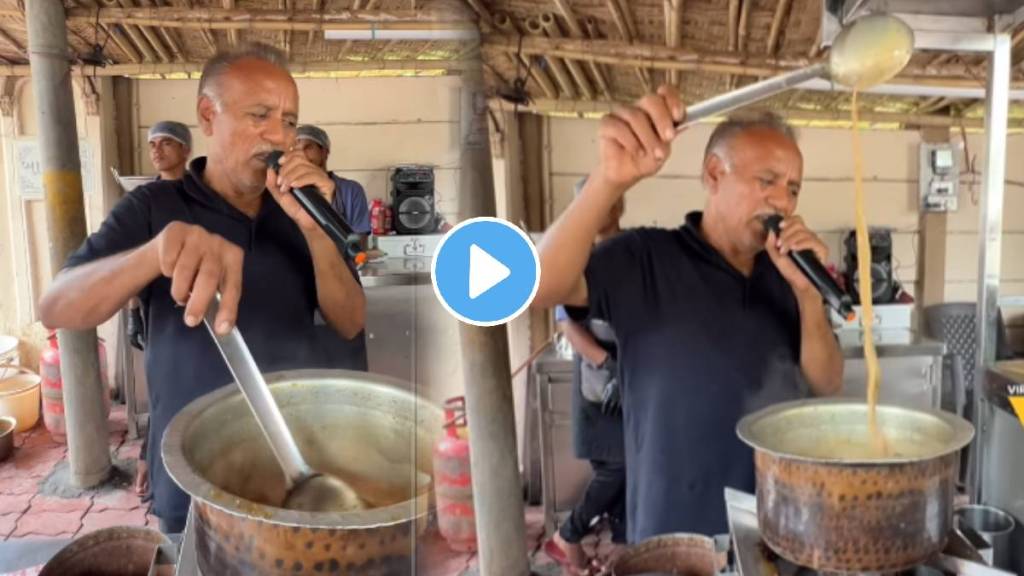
28 509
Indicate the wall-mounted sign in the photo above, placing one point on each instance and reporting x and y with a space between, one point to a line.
28 168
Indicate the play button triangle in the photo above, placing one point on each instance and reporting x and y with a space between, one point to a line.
485 271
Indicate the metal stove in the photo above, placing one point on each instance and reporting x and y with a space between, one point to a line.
750 556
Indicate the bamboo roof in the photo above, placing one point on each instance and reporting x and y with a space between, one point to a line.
578 56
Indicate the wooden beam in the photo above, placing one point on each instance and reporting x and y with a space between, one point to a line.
596 68
781 10
576 31
504 23
317 7
10 41
557 67
660 57
673 32
139 42
122 41
620 22
741 42
232 33
481 10
596 108
207 35
167 36
286 36
734 24
297 68
147 37
239 18
551 29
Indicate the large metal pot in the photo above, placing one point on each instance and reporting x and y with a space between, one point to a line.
362 428
825 501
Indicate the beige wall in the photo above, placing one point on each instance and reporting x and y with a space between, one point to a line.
891 189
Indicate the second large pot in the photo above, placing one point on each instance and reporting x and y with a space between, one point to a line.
360 427
828 502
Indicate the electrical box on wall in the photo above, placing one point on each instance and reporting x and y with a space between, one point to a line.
940 177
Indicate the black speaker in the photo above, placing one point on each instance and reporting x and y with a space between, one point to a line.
883 283
412 200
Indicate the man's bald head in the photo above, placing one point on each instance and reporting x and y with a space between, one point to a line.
734 126
222 62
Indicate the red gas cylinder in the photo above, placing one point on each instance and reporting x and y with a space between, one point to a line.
53 388
453 484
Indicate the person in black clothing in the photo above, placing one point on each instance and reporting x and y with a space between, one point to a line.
597 428
712 320
228 227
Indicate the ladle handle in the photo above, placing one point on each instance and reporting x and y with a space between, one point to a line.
249 378
752 93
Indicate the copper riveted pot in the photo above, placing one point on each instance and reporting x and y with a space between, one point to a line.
363 428
827 501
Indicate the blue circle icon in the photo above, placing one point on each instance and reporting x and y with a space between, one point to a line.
485 271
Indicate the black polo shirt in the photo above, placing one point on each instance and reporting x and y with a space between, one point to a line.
700 345
275 315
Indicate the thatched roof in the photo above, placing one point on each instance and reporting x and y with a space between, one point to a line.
577 55
173 37
616 50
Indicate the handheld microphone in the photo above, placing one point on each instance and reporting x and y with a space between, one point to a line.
347 241
812 268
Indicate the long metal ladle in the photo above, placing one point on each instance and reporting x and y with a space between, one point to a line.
308 489
870 50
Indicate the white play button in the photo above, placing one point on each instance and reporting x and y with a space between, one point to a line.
485 271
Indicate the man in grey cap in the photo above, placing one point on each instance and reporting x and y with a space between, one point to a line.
348 198
170 144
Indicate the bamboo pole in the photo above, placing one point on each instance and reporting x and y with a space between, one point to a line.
620 22
503 22
555 64
781 9
673 32
734 24
232 33
317 7
295 67
122 42
243 16
600 107
481 11
576 31
596 68
139 42
547 20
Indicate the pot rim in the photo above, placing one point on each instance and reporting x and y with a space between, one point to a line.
13 425
199 488
963 432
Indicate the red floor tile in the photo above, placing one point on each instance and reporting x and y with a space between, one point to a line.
56 524
108 518
53 504
7 523
116 500
14 503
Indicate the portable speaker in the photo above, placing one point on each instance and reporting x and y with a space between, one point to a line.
883 283
412 200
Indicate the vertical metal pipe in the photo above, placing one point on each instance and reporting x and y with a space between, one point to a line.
88 450
990 229
490 409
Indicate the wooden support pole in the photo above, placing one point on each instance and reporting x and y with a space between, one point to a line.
673 32
576 31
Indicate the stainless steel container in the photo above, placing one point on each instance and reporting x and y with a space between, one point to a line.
363 428
828 502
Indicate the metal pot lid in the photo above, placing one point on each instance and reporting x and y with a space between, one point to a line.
835 431
183 473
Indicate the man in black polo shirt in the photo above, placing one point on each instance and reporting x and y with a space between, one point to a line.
713 320
227 226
